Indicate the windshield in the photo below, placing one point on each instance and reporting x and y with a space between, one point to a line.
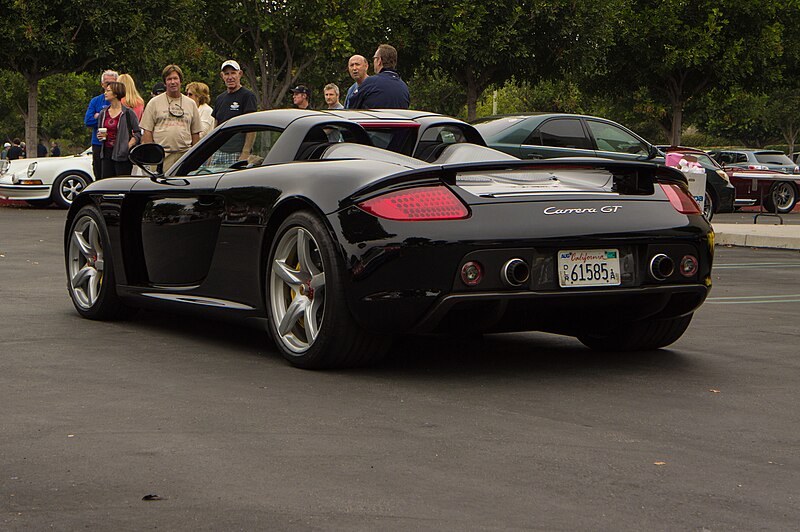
705 161
773 158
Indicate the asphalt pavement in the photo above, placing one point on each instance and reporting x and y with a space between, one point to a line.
514 431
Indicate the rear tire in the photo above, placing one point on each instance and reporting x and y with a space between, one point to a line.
782 198
67 186
308 314
637 336
90 270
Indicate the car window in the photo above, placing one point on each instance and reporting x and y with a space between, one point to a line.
612 138
705 161
739 157
229 152
490 128
773 158
561 133
395 138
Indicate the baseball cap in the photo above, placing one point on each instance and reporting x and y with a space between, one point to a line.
301 89
230 63
7 145
159 87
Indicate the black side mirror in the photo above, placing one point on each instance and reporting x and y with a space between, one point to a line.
146 155
653 152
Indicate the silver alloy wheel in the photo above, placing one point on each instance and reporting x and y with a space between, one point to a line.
85 262
70 187
783 196
297 289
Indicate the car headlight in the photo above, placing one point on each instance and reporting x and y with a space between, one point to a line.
724 176
32 168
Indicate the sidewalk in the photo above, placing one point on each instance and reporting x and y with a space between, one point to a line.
762 235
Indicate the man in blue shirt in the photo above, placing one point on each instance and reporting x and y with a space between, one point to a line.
97 104
386 89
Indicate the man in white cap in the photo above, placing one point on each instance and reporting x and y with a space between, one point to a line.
6 146
235 101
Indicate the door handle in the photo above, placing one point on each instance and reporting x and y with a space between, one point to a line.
533 156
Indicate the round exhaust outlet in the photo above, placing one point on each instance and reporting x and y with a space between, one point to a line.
661 267
515 272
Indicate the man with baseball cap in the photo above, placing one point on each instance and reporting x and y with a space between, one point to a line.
301 97
235 101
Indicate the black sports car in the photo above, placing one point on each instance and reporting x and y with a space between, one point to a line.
293 218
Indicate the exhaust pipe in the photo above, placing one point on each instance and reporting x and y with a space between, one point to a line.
661 267
515 272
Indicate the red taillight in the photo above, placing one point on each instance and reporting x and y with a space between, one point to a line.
680 198
424 203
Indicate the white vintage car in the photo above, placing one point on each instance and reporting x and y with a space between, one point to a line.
44 180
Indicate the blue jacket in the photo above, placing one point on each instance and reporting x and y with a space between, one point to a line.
384 90
97 104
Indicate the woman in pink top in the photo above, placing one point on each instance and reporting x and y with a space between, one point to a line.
132 98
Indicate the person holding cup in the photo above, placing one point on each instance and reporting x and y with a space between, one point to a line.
118 130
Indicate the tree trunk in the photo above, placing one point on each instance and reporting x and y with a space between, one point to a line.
472 99
677 122
32 118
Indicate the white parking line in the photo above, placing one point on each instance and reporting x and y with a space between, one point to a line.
741 300
756 265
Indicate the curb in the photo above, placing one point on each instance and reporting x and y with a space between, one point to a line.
755 236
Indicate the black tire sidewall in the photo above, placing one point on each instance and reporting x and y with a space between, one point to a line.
56 195
335 311
107 305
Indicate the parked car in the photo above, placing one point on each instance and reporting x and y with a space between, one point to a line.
547 135
335 245
42 181
720 192
761 175
774 160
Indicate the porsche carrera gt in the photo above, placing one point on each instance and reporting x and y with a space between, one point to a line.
295 221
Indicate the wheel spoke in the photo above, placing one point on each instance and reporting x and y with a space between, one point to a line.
304 253
290 276
318 282
312 327
94 286
86 247
82 276
295 311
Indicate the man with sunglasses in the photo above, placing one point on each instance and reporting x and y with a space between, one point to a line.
171 118
386 89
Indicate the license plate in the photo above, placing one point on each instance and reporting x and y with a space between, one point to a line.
588 267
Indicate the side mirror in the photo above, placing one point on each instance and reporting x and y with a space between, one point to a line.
146 155
653 152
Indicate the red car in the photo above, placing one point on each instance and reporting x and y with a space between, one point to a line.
776 190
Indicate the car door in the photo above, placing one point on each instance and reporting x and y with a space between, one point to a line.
557 137
614 142
179 215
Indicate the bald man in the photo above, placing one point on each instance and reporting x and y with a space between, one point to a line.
357 67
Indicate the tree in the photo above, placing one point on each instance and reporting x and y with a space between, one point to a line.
277 42
46 37
484 43
671 51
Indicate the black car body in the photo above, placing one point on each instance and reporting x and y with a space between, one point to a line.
335 245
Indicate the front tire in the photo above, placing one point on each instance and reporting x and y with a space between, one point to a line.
709 205
90 271
308 315
67 186
637 336
782 197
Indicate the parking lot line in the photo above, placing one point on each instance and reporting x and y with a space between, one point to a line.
740 300
750 265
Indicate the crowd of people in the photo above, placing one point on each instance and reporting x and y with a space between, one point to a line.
120 119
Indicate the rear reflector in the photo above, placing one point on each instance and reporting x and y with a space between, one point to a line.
680 198
417 204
